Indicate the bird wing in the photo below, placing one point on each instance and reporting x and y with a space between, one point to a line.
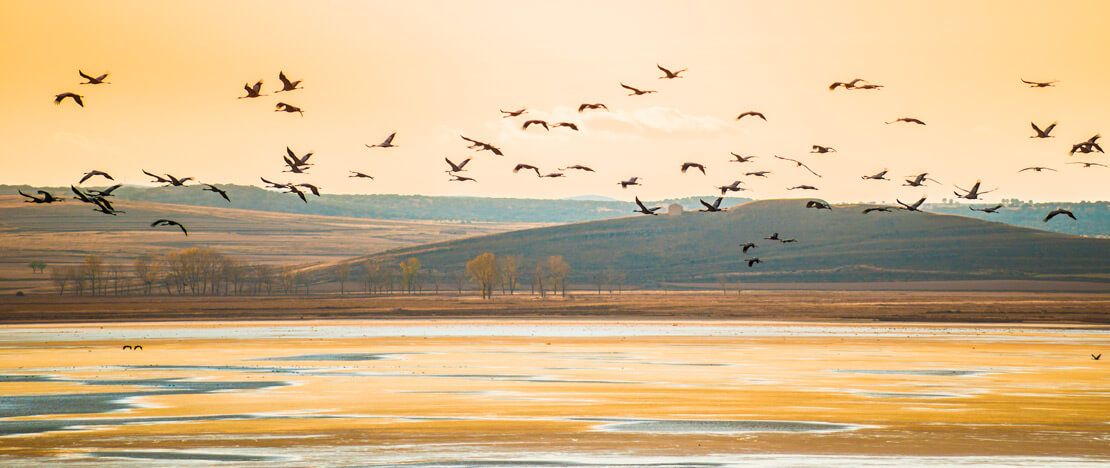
706 205
87 77
641 204
389 139
463 164
285 83
158 178
630 88
77 99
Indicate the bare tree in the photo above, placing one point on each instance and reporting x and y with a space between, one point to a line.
60 277
342 272
510 271
485 271
558 269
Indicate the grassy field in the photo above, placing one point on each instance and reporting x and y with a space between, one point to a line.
65 233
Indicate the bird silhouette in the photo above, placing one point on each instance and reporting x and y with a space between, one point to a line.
688 165
757 173
293 166
535 122
480 146
595 106
881 209
388 143
878 176
626 183
848 85
822 149
733 187
1038 169
669 75
359 175
567 125
287 85
1088 146
105 192
748 246
989 209
644 209
741 159
275 185
94 173
93 81
457 167
907 120
253 91
715 207
802 187
1040 84
283 107
299 160
972 194
799 164
46 197
919 180
753 114
1087 164
553 175
635 92
76 98
913 207
819 205
515 113
526 166
312 188
578 167
459 178
1042 133
1096 356
753 261
215 189
126 347
296 191
1058 211
169 222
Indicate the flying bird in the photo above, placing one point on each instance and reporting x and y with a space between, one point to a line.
848 85
293 189
312 188
1096 356
47 197
644 209
526 166
567 125
459 178
1088 146
253 91
919 180
106 192
287 85
752 261
578 167
626 183
388 143
748 246
480 146
734 187
882 209
169 222
907 120
457 167
688 165
1042 133
301 160
972 194
1058 211
169 179
669 75
76 98
802 187
741 159
93 173
635 92
989 209
293 166
878 176
535 122
822 149
913 207
715 207
599 105
283 107
359 175
553 175
799 164
275 185
817 204
757 173
215 189
1040 84
93 81
774 236
751 113
1038 169
157 179
1087 164
515 113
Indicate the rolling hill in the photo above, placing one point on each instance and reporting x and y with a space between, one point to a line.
837 245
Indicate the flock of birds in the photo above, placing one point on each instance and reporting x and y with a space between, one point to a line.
299 164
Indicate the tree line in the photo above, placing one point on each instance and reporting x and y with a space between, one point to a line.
202 271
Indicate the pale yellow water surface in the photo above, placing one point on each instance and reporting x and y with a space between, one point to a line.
554 392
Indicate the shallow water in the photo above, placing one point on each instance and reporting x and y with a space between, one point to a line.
553 393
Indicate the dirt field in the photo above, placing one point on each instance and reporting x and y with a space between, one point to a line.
892 306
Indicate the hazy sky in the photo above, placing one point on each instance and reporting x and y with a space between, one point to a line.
434 70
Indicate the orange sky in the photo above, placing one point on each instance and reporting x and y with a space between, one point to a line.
432 70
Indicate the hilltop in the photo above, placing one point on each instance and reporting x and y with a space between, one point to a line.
837 245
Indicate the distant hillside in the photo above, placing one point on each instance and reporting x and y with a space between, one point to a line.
837 245
1092 218
410 207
